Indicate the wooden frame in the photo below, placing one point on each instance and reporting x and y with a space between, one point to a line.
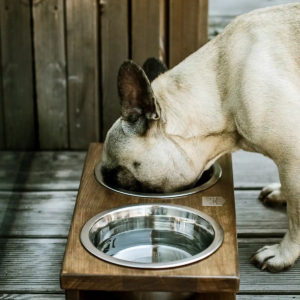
218 273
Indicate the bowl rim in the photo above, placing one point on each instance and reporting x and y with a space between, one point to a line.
89 246
217 173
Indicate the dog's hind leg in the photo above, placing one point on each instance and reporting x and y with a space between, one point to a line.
272 195
278 257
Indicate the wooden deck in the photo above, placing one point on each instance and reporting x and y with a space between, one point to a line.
37 197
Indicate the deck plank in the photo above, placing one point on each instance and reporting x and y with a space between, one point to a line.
40 170
48 214
36 214
32 297
257 220
62 170
33 266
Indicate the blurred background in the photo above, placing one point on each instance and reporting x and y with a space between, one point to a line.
60 58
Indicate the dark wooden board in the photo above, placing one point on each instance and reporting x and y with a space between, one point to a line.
253 170
33 266
36 214
48 214
62 170
40 170
188 28
2 129
50 68
114 50
32 297
148 30
83 64
17 74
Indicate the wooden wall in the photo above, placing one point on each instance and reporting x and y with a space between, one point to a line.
60 58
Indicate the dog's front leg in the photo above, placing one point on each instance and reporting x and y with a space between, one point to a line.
281 256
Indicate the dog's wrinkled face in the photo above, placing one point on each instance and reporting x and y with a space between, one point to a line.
136 154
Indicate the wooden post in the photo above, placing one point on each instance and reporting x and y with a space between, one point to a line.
83 81
188 28
148 30
114 50
17 74
2 137
50 67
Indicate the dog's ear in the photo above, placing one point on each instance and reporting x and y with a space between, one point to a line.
135 93
153 67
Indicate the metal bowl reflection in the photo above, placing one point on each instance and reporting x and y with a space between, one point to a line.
208 179
152 236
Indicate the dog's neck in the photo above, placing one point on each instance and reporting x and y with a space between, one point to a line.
192 105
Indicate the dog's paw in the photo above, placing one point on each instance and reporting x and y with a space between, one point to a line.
272 195
275 258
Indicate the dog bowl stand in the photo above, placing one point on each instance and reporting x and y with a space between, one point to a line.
85 277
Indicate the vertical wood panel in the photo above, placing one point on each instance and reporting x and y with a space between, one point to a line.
2 138
18 96
83 82
50 66
148 30
114 36
188 28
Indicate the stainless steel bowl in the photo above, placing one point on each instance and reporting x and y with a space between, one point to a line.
152 236
208 179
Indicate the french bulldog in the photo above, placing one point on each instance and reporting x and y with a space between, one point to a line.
240 91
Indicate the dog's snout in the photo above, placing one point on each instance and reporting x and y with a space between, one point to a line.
120 177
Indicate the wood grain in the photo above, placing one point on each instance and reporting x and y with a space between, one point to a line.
256 220
29 265
31 297
34 265
36 214
148 30
40 170
114 23
218 272
83 80
62 170
49 214
50 68
256 281
17 74
2 130
188 28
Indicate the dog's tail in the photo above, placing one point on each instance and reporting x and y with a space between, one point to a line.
153 67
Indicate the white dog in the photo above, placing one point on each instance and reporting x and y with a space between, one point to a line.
239 91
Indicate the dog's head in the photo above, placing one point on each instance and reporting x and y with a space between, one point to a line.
138 154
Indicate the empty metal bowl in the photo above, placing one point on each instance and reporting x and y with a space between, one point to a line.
152 236
208 179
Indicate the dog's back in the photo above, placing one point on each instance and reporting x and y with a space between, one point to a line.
259 74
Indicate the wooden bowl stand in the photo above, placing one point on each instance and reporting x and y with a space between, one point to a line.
84 276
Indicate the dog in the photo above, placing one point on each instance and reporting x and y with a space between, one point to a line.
239 91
